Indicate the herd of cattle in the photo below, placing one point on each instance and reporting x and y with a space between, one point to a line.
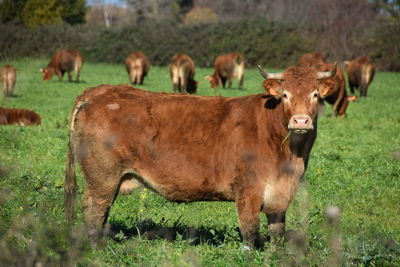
252 150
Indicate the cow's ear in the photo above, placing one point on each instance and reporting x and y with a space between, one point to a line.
208 78
273 87
326 86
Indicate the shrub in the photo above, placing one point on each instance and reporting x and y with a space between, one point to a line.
261 42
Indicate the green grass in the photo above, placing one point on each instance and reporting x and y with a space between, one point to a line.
351 167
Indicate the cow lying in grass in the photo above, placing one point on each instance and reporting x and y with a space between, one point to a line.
22 117
252 150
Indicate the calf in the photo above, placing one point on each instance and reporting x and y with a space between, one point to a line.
61 62
227 67
182 70
22 117
252 150
360 72
137 65
9 76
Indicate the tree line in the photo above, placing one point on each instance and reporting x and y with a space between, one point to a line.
343 29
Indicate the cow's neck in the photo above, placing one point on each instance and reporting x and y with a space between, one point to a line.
292 146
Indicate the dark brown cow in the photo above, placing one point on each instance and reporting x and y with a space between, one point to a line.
337 95
9 76
22 117
360 72
182 70
137 65
252 149
227 67
312 59
61 62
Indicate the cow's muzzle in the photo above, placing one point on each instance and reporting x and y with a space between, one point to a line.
300 124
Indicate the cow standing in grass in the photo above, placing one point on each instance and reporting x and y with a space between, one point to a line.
337 95
22 117
252 150
182 70
360 72
312 59
137 65
61 62
227 67
8 75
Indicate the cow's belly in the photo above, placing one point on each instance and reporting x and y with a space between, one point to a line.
177 188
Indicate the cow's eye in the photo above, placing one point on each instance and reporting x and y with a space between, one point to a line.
315 95
284 95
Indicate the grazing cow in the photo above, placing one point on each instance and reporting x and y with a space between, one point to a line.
61 62
182 70
9 76
360 72
137 65
22 117
227 67
312 59
252 149
337 95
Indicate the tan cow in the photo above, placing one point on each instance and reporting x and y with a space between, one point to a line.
227 67
252 150
137 65
337 95
182 70
312 59
360 72
22 117
9 76
61 62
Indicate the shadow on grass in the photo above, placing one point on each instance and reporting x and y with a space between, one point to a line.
150 230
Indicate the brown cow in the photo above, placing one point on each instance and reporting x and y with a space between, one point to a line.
182 70
63 61
22 117
312 59
252 149
137 65
337 95
227 67
360 72
9 76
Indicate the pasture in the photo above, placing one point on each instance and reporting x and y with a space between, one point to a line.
351 167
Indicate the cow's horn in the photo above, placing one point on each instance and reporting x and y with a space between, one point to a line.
276 76
328 74
41 70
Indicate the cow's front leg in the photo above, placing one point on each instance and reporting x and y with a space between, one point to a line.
69 76
248 206
276 225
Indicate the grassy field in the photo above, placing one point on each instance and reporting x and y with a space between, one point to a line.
351 167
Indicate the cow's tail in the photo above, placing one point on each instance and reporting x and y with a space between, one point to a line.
70 185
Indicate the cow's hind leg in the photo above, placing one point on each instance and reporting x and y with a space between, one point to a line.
98 198
248 207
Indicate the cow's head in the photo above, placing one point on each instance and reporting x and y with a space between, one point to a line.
47 73
298 89
214 80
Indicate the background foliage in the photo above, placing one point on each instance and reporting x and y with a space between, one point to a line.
264 42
